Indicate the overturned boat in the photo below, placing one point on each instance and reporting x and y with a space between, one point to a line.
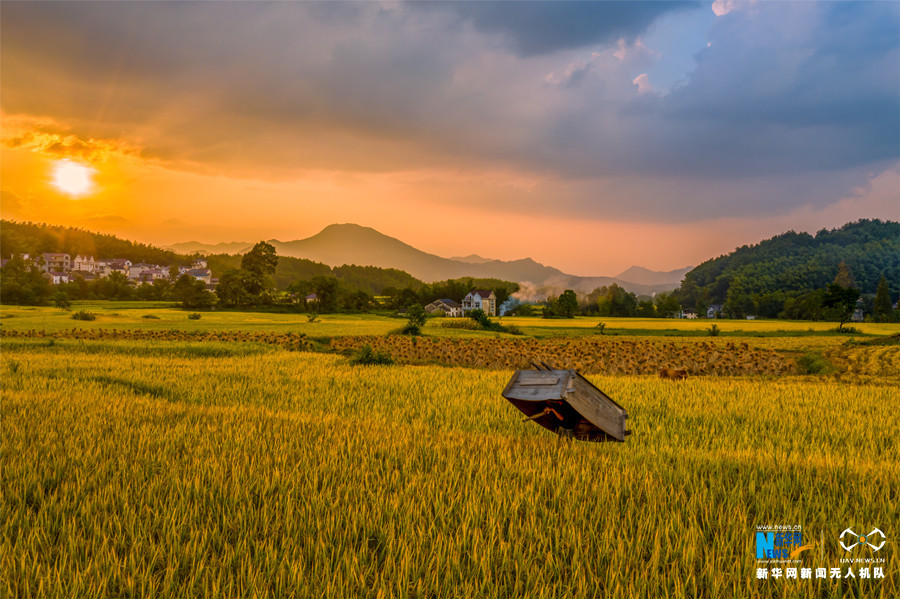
566 403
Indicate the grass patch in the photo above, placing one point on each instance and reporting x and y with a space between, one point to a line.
815 363
366 356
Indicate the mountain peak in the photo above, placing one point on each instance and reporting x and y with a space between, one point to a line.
645 276
471 259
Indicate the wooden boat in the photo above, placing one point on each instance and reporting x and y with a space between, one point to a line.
566 403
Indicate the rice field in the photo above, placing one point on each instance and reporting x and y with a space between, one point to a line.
217 466
167 316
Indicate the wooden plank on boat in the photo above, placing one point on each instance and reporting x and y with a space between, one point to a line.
532 385
606 416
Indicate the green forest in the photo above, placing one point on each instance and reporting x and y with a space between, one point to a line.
31 238
786 276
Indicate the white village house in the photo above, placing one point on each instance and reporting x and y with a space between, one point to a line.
480 299
84 263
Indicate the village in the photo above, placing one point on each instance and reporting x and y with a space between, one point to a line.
59 268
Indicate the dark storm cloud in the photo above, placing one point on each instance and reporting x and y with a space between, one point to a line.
825 97
791 104
533 28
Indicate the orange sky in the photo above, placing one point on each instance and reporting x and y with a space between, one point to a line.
506 151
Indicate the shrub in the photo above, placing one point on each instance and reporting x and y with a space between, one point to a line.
411 329
366 356
460 323
814 363
480 317
61 300
714 330
601 326
194 316
153 316
522 310
84 315
846 331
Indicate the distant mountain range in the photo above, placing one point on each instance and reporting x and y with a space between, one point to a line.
341 244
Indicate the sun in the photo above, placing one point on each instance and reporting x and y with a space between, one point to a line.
73 178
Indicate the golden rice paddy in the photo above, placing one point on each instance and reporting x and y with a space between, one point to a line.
239 464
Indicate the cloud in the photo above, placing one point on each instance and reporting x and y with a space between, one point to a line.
535 28
50 138
791 104
723 7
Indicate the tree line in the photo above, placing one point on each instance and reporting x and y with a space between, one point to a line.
17 238
611 300
788 276
347 288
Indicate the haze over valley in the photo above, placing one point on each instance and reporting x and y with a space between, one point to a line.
341 244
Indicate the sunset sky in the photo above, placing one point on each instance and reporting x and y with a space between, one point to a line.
588 136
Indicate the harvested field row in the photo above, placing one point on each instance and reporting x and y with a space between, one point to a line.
588 355
873 360
290 341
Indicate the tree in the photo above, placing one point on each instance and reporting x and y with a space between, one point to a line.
23 283
567 304
615 301
357 301
844 277
645 309
400 298
232 289
883 307
260 263
61 300
326 290
738 303
416 319
116 286
667 305
192 293
160 289
842 300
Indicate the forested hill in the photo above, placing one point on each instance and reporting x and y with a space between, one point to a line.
30 238
371 279
793 264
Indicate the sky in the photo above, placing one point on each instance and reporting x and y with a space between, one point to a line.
589 136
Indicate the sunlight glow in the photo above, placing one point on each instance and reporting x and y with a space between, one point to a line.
73 178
